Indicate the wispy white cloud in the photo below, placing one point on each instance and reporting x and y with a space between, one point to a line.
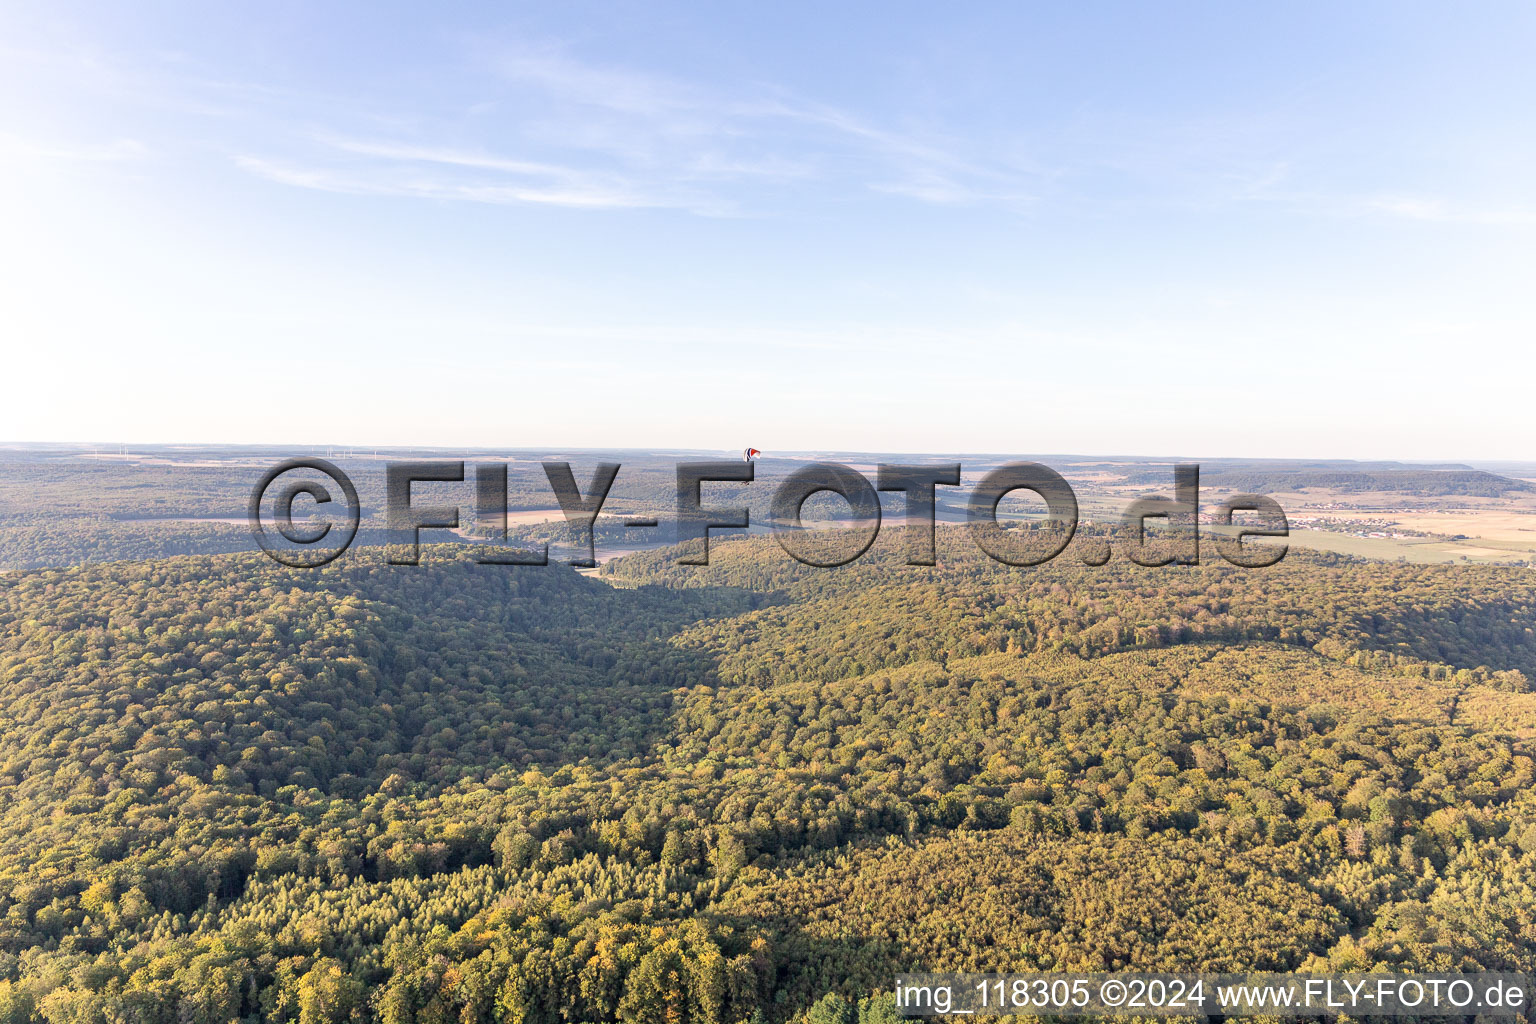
1440 211
115 151
595 136
554 192
616 89
451 157
934 188
1397 206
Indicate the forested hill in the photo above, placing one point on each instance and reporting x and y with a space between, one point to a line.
1439 483
878 611
234 791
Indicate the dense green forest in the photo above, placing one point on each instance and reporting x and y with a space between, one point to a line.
753 790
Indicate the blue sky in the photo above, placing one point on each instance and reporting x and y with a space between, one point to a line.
1197 229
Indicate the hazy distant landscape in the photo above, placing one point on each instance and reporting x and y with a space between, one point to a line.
63 504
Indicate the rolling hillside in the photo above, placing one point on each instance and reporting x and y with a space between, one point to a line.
375 792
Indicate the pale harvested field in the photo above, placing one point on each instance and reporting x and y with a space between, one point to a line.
535 515
1492 534
1484 524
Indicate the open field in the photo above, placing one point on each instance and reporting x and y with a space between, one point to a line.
1412 549
1514 528
1478 530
